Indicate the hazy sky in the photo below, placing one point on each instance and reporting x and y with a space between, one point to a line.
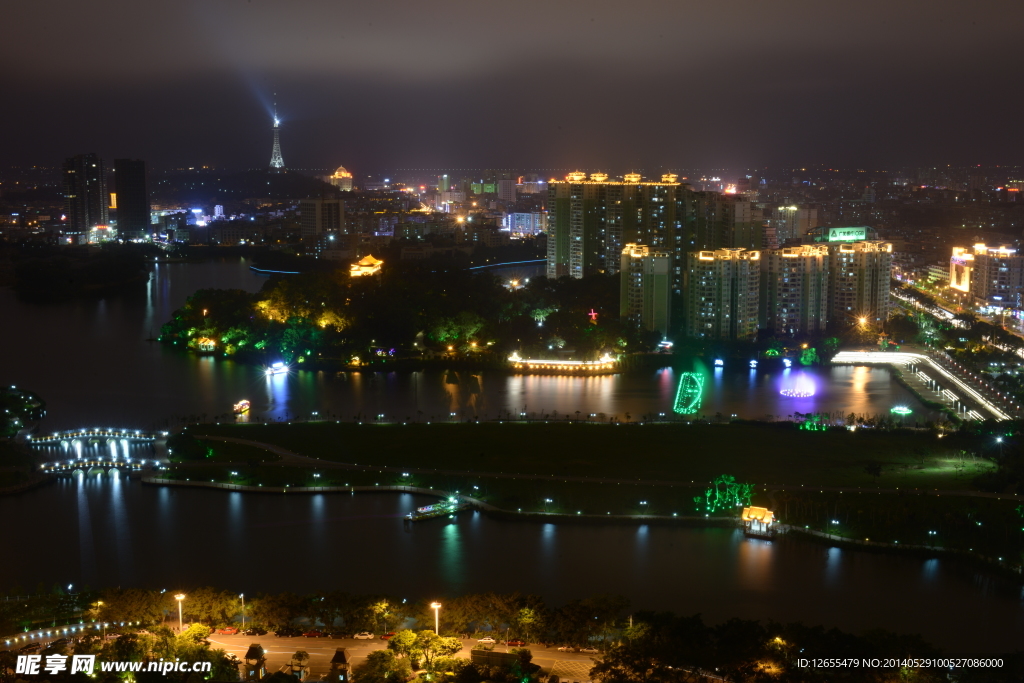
559 83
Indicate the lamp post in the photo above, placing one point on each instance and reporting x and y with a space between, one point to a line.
242 595
436 606
179 597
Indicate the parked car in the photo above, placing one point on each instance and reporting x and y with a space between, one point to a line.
516 642
315 633
339 634
229 631
590 650
255 631
363 635
567 648
388 636
287 632
486 640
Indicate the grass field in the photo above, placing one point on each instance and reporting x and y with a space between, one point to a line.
760 454
227 451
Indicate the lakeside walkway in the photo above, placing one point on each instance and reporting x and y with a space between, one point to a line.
295 458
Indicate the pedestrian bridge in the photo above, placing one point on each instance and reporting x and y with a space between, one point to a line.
96 466
997 405
102 436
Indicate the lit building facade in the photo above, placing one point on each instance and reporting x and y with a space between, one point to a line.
341 179
993 276
859 282
645 289
722 290
525 224
794 290
85 197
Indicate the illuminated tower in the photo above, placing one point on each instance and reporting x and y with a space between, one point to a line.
276 160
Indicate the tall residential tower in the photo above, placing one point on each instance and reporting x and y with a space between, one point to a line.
85 197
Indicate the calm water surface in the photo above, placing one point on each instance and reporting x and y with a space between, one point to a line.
90 360
92 363
102 530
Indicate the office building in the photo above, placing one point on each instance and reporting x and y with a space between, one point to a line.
722 290
133 218
794 290
507 190
645 288
993 276
319 216
85 197
525 224
859 282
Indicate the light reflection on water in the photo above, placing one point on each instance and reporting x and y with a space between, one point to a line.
181 537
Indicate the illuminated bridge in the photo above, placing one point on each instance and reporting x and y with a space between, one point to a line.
998 405
96 435
96 464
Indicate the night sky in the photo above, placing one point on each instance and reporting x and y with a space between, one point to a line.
380 85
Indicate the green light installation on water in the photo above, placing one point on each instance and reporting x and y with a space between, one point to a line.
689 393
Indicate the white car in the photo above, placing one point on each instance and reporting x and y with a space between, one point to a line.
567 648
486 640
589 650
364 635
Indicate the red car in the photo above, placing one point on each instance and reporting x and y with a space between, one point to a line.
315 633
388 636
229 631
516 643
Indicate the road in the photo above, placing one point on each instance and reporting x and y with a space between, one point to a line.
570 666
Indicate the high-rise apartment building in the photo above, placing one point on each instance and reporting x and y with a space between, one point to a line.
794 290
722 291
85 197
590 220
994 276
793 222
133 218
859 282
720 221
645 289
320 216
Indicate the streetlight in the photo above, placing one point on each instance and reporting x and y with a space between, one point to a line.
242 595
436 606
179 597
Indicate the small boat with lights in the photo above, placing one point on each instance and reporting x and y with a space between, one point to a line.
605 366
448 507
241 407
277 368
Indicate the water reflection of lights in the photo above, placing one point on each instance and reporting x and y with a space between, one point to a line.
755 560
802 387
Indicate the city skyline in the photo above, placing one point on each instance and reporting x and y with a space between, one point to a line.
373 86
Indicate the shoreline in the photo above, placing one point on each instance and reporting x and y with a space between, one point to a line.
821 538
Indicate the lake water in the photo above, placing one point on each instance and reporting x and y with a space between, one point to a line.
103 530
90 360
